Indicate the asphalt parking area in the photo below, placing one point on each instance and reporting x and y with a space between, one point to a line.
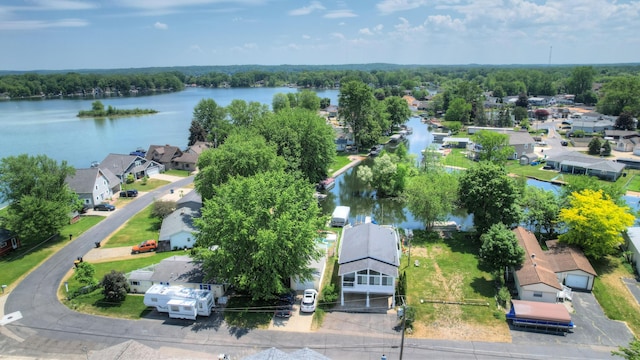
592 327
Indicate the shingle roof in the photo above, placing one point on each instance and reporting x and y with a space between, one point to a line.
83 181
536 269
578 159
179 220
178 268
163 153
192 200
564 257
366 244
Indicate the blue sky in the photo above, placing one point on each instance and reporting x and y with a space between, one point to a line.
90 34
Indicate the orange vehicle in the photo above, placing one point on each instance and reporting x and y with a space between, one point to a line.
145 246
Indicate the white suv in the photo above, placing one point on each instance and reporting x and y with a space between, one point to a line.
309 299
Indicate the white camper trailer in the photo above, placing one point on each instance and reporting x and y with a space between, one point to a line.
179 302
340 216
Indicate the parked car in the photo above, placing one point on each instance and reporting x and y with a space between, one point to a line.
564 143
547 167
145 246
309 300
104 207
288 297
129 193
283 313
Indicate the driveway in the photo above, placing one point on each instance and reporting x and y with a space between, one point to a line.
592 327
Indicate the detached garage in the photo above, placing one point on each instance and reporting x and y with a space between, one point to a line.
572 268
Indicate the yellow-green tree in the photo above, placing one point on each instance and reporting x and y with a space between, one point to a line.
595 222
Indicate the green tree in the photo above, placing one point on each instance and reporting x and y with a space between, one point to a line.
243 154
494 146
259 231
431 196
520 113
84 274
280 101
594 146
245 114
625 121
621 94
523 100
357 108
541 209
213 119
459 110
39 199
162 208
114 286
309 100
386 176
581 81
500 249
97 106
487 192
302 138
196 133
578 183
606 148
397 109
631 352
595 223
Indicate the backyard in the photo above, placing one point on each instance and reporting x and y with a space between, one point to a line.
452 296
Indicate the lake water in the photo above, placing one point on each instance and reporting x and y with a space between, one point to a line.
51 127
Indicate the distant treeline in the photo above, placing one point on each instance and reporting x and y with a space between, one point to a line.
74 84
98 110
394 79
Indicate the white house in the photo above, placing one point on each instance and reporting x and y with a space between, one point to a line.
176 270
369 257
177 230
572 268
632 237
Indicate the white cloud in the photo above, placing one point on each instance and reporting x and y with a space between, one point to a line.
365 31
375 30
39 24
338 35
306 10
391 6
337 14
195 48
445 22
160 26
173 4
63 5
306 37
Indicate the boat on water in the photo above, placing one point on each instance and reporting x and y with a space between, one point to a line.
326 184
376 150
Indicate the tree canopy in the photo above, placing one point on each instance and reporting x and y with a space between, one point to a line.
494 147
243 154
357 108
500 248
487 191
431 196
595 223
39 199
213 119
541 209
259 231
397 109
302 138
621 94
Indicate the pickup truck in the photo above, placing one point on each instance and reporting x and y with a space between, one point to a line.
145 246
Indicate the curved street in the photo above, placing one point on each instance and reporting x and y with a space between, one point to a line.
48 329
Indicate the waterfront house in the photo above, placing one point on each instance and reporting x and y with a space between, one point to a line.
369 257
94 185
123 165
166 155
573 162
8 241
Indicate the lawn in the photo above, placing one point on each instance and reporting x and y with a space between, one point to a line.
93 303
613 295
339 162
176 172
458 158
137 229
448 274
536 172
29 256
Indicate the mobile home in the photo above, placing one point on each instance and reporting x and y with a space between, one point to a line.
179 302
340 216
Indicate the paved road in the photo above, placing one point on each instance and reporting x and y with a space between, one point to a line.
48 329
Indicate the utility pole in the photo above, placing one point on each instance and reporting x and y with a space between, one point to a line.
404 322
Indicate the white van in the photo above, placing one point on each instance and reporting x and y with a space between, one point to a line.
340 216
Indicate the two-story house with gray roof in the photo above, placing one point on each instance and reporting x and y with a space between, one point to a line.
94 185
369 258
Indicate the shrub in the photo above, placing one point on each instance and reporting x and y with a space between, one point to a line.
130 179
329 296
115 286
162 208
503 297
85 273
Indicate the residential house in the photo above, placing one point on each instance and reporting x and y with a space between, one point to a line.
177 230
573 162
368 260
199 147
632 239
591 126
522 142
192 200
317 266
123 165
187 161
625 140
550 275
165 155
179 270
571 266
332 111
535 280
411 101
94 185
8 241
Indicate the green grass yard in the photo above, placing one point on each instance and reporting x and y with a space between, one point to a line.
137 229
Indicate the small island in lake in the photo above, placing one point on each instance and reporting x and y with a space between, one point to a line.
97 110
